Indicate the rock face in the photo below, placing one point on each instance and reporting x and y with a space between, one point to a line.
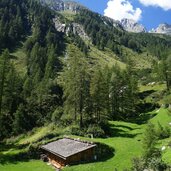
110 21
62 5
74 27
162 29
132 26
125 24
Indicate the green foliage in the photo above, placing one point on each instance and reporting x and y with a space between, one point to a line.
75 84
10 89
138 164
95 130
99 91
149 141
28 102
154 163
103 34
163 132
123 92
13 22
56 116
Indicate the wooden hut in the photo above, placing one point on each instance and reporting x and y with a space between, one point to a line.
68 151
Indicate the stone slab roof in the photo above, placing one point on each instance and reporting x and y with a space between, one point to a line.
67 147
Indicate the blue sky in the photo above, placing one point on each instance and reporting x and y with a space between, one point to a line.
150 13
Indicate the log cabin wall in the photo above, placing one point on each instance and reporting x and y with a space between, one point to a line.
86 155
56 160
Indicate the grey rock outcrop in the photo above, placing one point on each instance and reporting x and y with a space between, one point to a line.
73 27
162 29
63 5
110 21
132 26
126 24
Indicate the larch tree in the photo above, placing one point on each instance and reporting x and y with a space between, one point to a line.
75 84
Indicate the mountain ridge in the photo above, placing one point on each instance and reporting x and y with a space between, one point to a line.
63 5
126 24
164 28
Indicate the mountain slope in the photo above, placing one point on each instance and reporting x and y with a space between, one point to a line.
46 36
70 71
162 29
132 26
63 5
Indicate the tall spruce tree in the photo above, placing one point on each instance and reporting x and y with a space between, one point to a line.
75 84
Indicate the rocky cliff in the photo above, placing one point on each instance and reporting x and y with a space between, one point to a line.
62 5
162 29
74 27
132 26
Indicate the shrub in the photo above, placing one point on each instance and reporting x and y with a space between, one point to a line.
74 130
162 132
153 163
34 151
138 164
96 131
105 127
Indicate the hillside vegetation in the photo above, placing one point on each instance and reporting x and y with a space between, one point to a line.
126 140
110 84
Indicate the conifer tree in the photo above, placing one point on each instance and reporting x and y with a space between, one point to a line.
75 84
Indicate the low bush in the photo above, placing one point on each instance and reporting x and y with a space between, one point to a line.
96 131
163 132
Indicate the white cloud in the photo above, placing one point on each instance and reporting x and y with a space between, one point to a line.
119 9
165 4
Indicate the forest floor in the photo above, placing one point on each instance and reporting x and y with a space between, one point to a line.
126 140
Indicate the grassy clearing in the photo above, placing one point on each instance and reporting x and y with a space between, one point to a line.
32 165
163 116
106 57
141 60
19 60
36 135
125 140
154 93
12 159
156 87
125 143
68 15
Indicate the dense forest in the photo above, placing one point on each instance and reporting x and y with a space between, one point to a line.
25 102
70 90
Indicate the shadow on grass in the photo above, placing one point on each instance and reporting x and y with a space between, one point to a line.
102 152
6 155
143 113
144 118
117 131
145 94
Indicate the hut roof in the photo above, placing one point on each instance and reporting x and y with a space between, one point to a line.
67 147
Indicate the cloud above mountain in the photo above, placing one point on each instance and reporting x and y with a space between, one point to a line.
119 9
164 4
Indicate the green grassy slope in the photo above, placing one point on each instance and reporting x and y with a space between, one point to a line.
126 140
127 144
106 57
32 165
19 61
